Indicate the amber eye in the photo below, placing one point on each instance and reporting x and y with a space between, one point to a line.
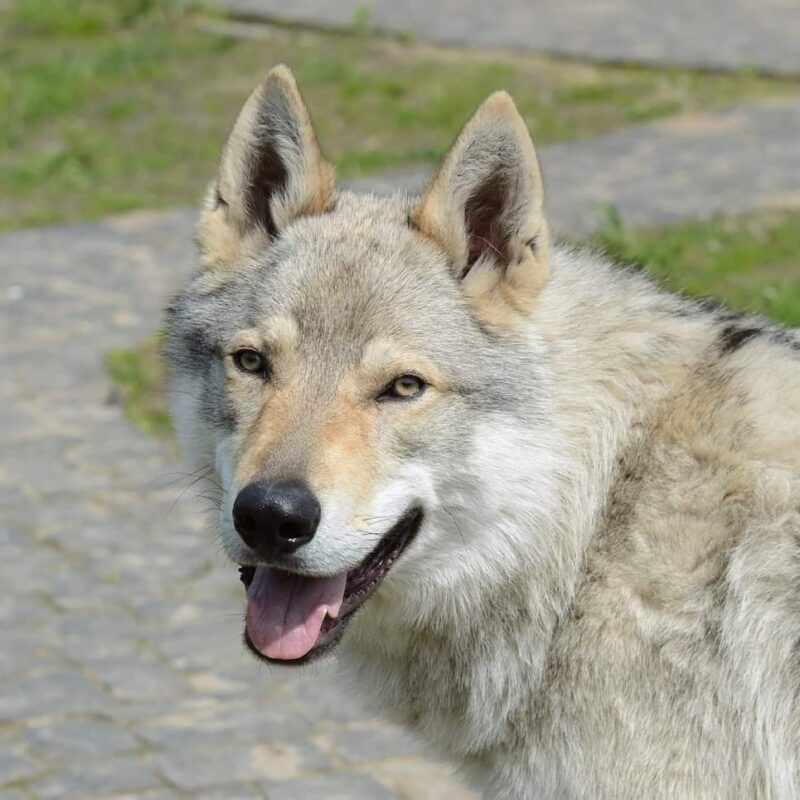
405 387
250 361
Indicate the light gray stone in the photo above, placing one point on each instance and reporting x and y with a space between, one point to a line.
229 793
15 794
139 678
200 766
711 33
155 794
227 720
374 742
79 738
91 777
333 786
50 694
16 766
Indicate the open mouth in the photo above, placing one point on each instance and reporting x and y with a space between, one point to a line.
292 619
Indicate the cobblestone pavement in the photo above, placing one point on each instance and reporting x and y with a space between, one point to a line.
719 34
121 673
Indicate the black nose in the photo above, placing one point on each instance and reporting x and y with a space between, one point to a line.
276 518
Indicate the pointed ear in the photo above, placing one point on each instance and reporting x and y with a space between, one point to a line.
271 172
483 207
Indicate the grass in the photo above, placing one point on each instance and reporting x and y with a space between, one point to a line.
139 378
749 262
111 106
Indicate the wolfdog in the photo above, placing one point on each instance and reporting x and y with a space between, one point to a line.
547 514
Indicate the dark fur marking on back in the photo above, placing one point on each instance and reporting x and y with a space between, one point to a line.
787 339
733 337
694 307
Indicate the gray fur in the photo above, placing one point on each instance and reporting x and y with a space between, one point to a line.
604 598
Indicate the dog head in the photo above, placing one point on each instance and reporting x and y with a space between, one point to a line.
358 370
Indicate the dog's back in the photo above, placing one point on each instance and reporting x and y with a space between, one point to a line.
678 661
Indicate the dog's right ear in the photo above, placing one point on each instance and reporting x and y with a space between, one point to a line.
271 172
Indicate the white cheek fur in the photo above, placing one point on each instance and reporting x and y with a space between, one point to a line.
224 461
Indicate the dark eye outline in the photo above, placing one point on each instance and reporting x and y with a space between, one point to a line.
389 395
263 368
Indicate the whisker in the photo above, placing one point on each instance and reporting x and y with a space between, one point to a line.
181 475
373 534
183 492
455 522
486 241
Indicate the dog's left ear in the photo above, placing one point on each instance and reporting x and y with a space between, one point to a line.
483 207
271 172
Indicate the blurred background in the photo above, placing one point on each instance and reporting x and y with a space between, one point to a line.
669 137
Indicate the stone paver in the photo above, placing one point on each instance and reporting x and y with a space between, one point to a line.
94 777
718 34
121 671
343 786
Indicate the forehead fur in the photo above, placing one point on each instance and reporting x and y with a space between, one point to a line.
357 260
344 277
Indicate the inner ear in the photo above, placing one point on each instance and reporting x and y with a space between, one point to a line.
269 177
485 223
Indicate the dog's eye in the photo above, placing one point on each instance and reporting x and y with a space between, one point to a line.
250 361
404 387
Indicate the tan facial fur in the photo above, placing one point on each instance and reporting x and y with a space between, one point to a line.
336 436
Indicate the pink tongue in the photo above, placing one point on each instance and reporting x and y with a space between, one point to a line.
285 612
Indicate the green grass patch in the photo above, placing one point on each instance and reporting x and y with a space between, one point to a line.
751 262
109 106
139 377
